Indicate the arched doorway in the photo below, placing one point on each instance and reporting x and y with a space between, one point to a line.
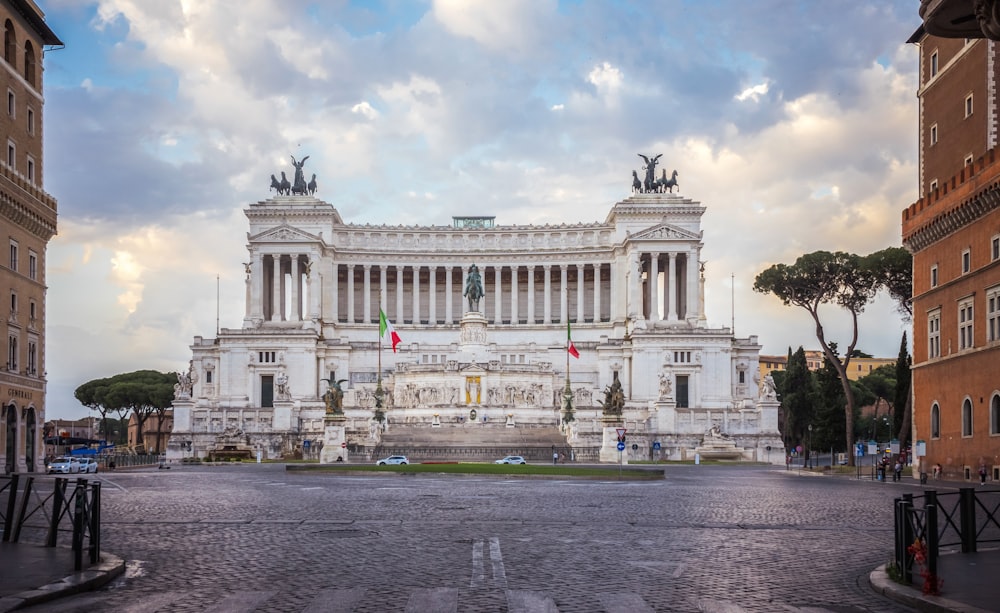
30 439
11 438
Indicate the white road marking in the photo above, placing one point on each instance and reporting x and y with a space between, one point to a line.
478 575
499 574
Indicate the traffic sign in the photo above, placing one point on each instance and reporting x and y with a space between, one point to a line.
343 445
305 444
621 446
859 450
621 433
656 445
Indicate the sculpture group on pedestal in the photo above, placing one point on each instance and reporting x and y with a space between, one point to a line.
299 186
651 184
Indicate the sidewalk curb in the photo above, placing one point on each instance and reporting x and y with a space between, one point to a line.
94 577
882 584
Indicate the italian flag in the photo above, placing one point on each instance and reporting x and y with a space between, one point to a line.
385 329
570 347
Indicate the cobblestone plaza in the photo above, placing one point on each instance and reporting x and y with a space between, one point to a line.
706 538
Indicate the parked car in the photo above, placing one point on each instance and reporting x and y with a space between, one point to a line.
88 465
65 465
393 459
511 459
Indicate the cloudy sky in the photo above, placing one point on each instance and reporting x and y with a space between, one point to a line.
795 123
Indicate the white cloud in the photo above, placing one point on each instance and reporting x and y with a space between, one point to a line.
531 110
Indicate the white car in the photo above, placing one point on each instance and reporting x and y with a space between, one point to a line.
511 459
393 459
65 465
88 465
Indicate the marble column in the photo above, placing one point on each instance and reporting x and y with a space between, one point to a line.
314 287
432 295
563 293
531 294
597 293
693 292
295 278
513 294
416 294
579 293
334 292
366 302
672 288
276 288
350 293
654 286
498 295
383 282
547 294
449 316
257 290
399 295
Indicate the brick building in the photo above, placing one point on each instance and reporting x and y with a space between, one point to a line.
27 222
953 232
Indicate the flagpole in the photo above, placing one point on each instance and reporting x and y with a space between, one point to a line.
378 377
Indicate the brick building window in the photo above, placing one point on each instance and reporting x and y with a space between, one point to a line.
993 314
995 249
968 160
11 103
968 105
31 122
934 185
32 265
967 418
935 421
934 134
965 324
934 277
995 414
13 255
966 261
934 334
934 64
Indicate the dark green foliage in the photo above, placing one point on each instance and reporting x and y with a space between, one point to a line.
902 397
140 393
845 280
798 397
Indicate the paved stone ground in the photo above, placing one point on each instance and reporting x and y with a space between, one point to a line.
713 539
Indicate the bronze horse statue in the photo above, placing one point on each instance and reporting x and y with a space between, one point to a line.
665 184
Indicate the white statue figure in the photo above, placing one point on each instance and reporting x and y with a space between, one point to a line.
767 390
666 386
281 385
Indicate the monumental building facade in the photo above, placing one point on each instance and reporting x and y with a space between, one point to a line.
953 232
629 291
27 223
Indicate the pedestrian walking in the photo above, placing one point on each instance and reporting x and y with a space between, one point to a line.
555 457
982 474
897 471
937 471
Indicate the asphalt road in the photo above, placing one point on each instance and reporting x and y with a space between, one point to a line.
713 539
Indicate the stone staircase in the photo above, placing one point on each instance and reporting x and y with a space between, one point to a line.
471 442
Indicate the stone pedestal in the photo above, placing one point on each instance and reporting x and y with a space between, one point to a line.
282 420
334 439
181 431
609 446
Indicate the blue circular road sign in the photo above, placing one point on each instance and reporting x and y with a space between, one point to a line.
621 446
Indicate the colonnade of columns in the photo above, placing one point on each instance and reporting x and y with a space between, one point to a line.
678 293
279 287
658 286
431 294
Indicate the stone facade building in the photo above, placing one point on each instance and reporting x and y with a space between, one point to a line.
28 218
630 291
953 231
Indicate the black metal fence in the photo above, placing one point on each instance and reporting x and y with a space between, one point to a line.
111 461
959 520
29 509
